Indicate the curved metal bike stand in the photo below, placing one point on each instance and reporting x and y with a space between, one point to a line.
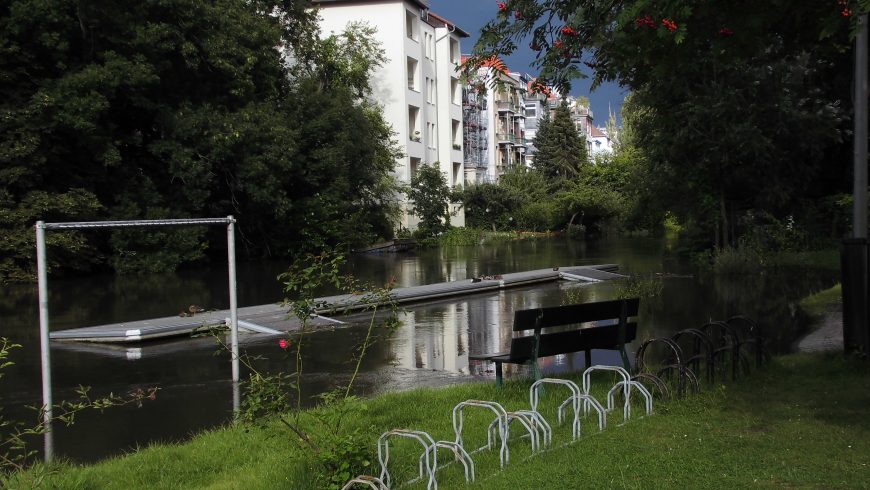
726 342
676 363
503 430
459 454
702 349
751 335
647 396
657 382
626 388
526 420
372 482
574 400
545 438
419 436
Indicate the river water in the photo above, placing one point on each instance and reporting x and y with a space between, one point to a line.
431 347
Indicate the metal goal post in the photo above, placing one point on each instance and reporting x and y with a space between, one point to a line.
42 278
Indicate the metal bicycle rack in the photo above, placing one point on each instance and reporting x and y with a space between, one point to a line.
502 426
626 387
726 342
577 396
545 437
429 449
372 482
685 376
528 420
655 381
753 336
702 349
459 454
647 396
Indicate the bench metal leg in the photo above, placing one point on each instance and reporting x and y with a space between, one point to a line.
588 355
625 362
498 375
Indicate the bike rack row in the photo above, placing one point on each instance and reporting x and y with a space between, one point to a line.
718 344
533 424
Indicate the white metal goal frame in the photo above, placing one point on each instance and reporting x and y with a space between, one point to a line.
42 278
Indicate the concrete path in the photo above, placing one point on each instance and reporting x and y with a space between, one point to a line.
827 334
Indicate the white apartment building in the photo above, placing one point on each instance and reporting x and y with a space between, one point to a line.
497 124
418 86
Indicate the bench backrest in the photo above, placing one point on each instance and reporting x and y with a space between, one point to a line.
615 333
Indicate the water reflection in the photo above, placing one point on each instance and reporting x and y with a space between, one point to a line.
431 347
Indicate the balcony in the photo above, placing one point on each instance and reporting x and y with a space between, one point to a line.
505 138
506 106
520 141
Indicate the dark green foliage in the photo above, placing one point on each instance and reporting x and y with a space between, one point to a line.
430 196
561 151
735 108
181 108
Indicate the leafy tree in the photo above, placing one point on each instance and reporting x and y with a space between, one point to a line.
561 151
430 196
742 106
182 108
490 205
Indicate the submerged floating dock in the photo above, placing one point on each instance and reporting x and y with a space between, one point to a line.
273 318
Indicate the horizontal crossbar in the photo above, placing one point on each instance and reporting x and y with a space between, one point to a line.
79 225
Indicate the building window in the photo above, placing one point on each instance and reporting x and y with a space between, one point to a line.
414 123
411 25
456 133
414 165
430 90
429 41
412 74
455 93
457 173
531 110
431 136
454 51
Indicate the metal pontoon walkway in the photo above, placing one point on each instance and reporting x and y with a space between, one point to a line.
272 318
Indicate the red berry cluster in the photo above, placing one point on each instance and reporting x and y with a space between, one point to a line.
559 44
845 5
724 31
568 31
518 15
646 20
502 7
669 24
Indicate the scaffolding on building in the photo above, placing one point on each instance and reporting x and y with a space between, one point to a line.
474 132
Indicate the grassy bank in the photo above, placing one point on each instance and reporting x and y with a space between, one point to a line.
799 423
822 302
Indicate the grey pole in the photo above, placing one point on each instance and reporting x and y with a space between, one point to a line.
859 225
854 259
234 314
42 278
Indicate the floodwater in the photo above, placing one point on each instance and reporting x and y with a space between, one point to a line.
430 348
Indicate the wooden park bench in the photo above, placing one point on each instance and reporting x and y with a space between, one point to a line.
559 330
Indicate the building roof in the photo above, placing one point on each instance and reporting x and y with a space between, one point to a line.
597 133
431 18
436 20
420 3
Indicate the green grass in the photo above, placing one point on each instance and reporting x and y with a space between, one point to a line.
802 422
818 304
